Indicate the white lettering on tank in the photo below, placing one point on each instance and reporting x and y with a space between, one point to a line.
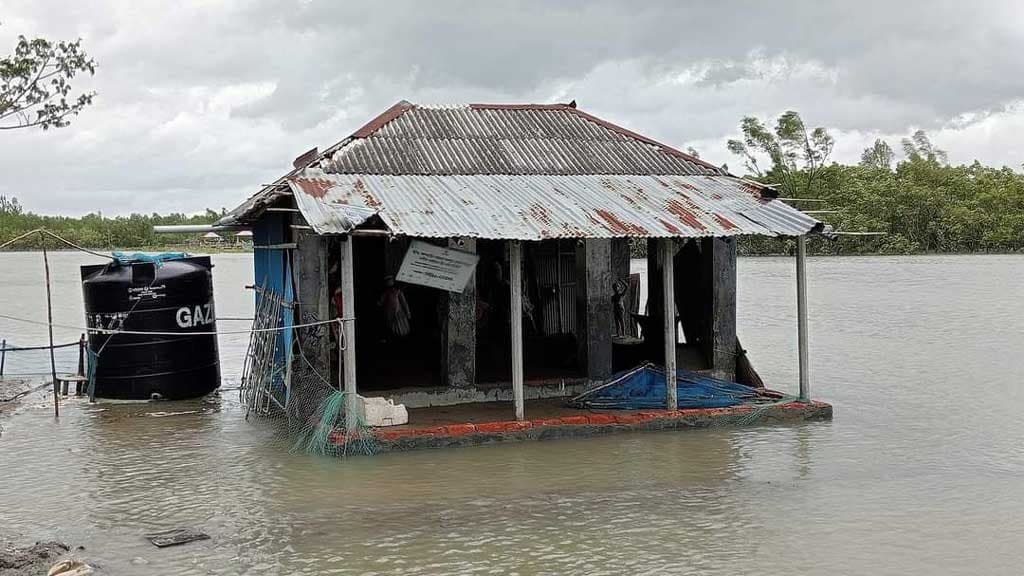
191 317
184 317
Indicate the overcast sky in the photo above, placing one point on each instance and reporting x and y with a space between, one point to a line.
200 102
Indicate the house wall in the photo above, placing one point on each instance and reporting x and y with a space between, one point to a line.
272 270
312 298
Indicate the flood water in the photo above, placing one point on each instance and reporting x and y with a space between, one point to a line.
921 472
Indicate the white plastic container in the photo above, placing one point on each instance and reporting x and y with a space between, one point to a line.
377 411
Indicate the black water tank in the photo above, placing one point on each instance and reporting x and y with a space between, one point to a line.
174 296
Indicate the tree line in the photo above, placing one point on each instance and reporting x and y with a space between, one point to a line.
921 203
95 230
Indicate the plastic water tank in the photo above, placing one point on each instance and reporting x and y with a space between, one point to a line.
173 297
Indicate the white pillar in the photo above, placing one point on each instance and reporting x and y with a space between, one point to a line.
516 308
801 315
669 308
348 313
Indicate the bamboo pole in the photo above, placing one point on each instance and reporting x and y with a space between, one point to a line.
49 317
516 308
669 313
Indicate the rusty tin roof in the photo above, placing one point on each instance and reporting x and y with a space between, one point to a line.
538 207
503 139
525 172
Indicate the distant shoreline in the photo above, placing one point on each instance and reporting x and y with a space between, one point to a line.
150 249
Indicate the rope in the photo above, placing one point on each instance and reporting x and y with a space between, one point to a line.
56 237
26 348
17 238
143 332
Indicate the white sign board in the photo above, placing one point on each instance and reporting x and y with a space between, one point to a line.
437 267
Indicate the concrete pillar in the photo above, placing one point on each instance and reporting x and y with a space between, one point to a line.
460 328
723 308
595 317
801 316
515 263
348 313
668 294
311 273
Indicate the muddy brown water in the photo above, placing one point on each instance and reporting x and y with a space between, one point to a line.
921 472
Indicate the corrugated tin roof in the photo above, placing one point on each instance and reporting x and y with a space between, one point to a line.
503 139
538 207
523 172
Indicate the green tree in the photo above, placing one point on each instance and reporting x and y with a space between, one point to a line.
878 155
35 83
10 206
922 203
797 154
919 147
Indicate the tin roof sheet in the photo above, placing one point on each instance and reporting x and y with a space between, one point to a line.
502 139
538 207
519 171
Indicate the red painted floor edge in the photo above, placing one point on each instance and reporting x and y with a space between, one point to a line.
590 419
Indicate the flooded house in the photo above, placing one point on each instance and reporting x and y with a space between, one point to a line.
477 259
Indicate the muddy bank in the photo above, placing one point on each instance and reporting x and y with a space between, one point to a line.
30 560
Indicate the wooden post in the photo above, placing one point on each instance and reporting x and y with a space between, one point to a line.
81 355
669 310
79 384
3 356
723 307
49 317
801 315
348 313
516 308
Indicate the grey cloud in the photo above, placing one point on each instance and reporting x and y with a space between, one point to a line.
201 102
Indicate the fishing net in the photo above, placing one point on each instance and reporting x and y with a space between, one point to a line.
315 418
761 412
284 388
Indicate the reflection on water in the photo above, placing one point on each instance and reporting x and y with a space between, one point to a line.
919 473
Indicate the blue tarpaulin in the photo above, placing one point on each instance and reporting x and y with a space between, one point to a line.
155 259
644 387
